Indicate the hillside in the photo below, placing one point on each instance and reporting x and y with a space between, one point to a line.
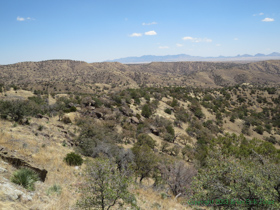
160 134
75 76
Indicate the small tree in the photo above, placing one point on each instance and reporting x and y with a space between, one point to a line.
105 186
145 160
178 176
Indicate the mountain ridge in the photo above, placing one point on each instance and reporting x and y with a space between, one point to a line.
185 57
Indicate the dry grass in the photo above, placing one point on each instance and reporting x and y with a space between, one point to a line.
147 198
49 157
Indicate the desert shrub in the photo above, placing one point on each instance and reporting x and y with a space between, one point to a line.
66 120
271 139
95 139
259 129
54 189
188 151
181 115
271 90
146 111
169 128
19 109
168 111
175 150
146 139
37 99
208 97
25 177
168 137
174 103
73 159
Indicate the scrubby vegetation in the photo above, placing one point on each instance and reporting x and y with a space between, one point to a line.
25 177
190 143
73 159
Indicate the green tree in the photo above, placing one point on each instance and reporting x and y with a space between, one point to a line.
145 160
104 187
231 179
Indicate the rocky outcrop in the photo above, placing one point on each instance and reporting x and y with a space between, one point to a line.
19 163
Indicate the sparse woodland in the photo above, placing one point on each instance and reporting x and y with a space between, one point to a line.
114 146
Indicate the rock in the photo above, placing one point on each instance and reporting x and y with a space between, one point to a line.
154 130
9 192
87 101
42 116
98 114
126 111
18 163
60 126
134 120
2 170
71 105
45 135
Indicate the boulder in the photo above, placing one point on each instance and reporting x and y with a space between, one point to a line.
9 192
134 120
154 130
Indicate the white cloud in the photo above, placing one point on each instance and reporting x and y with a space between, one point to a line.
179 45
218 45
24 19
268 20
163 47
151 33
20 19
135 35
188 38
192 39
261 13
148 24
235 39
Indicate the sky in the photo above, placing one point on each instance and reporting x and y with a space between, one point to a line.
99 30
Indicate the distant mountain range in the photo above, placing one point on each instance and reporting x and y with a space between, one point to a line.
184 57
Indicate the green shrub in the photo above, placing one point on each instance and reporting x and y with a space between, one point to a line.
25 177
146 111
170 130
41 127
146 139
73 159
168 111
259 129
54 189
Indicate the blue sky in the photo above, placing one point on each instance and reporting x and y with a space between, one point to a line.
98 30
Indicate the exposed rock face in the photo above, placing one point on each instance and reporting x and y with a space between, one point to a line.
9 192
18 163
